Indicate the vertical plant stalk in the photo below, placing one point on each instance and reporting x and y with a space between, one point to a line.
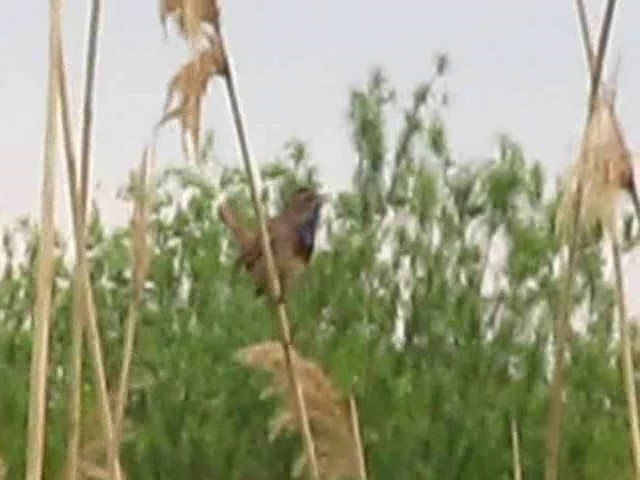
40 352
598 65
584 31
254 182
355 427
75 384
515 448
93 333
554 425
139 227
627 358
561 340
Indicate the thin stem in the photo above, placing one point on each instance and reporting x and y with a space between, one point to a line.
586 37
87 109
515 447
603 42
140 251
254 182
355 428
45 264
93 333
561 340
627 359
75 384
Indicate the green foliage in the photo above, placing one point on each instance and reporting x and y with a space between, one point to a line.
413 239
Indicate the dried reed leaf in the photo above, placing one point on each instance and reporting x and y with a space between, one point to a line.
189 15
329 415
602 169
189 85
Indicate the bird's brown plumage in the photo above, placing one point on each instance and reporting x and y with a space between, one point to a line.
292 235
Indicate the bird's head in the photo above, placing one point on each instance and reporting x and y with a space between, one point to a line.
305 202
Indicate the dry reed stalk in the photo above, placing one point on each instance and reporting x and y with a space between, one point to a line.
627 357
515 448
332 419
274 283
584 31
40 354
357 437
75 384
141 258
598 64
75 391
85 292
574 206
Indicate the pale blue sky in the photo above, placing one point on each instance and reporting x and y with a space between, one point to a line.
518 66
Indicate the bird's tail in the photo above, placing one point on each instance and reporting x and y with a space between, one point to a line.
240 232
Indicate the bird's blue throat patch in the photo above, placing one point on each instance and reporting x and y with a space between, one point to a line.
307 231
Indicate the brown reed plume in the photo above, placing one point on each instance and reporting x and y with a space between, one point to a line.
334 427
36 427
218 40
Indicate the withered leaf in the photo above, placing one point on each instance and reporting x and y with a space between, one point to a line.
189 15
190 85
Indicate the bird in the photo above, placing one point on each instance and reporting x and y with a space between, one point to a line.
292 233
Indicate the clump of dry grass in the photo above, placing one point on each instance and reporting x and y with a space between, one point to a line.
336 442
602 170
